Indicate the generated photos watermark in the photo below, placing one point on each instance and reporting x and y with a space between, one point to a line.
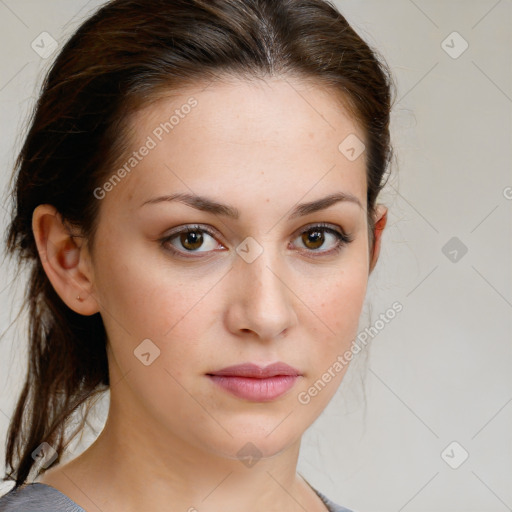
361 340
151 142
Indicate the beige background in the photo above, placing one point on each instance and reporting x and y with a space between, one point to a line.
441 370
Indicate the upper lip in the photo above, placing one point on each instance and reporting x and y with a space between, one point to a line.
255 371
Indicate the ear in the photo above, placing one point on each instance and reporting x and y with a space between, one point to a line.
65 259
380 220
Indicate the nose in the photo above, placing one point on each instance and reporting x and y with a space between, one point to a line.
261 298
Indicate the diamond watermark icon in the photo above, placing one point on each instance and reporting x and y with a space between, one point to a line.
454 249
44 455
249 249
146 352
249 454
44 45
454 45
454 455
352 147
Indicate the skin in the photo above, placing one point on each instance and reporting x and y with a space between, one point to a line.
172 436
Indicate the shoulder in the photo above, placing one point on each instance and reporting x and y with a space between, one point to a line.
37 497
333 507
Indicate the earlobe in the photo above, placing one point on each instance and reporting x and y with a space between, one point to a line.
380 220
65 261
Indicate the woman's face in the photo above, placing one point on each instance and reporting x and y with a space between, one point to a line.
256 280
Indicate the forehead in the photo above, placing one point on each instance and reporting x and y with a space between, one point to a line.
281 133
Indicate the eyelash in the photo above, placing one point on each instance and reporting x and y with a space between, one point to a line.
343 239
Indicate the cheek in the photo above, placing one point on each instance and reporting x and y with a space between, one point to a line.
138 291
336 296
157 302
345 301
337 304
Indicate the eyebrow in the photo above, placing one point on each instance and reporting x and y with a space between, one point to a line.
206 204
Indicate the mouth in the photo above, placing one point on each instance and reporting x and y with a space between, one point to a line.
255 383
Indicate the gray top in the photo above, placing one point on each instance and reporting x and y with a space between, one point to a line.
39 497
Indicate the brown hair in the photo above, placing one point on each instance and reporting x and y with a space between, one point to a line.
118 60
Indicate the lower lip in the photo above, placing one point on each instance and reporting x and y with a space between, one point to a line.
256 390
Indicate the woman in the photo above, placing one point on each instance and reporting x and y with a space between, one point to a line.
196 199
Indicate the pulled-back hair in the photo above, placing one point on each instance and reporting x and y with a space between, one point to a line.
118 61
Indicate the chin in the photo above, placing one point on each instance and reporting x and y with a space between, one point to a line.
254 440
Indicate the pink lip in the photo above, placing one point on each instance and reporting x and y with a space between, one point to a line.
255 383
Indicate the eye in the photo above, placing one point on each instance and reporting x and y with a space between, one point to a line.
319 235
191 239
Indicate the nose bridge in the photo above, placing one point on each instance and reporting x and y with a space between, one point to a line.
264 300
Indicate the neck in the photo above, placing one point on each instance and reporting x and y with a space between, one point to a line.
135 466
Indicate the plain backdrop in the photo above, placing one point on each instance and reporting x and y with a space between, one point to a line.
423 420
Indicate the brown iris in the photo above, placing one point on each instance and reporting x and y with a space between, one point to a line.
314 236
191 240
